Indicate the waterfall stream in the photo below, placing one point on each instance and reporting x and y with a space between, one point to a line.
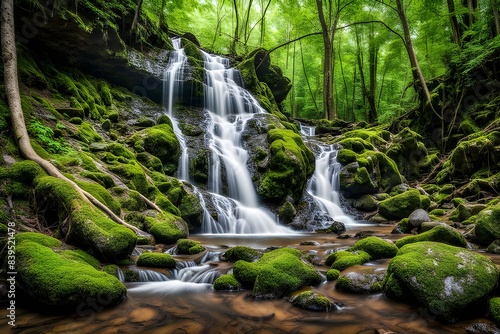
229 107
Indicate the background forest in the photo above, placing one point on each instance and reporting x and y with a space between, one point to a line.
364 40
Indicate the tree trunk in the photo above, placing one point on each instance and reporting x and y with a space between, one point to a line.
313 97
16 112
372 64
418 78
328 98
133 27
455 28
344 80
232 47
496 17
162 23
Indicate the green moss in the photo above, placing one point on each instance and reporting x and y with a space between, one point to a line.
38 238
291 163
438 212
312 301
132 202
102 195
79 255
87 134
346 156
494 309
344 259
103 179
408 152
157 260
487 228
164 228
186 246
3 228
360 283
357 145
133 176
276 273
25 171
161 142
227 282
286 213
332 274
52 279
400 206
439 233
89 228
448 281
244 253
150 161
376 247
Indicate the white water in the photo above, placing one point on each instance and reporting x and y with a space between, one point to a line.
324 184
229 107
151 276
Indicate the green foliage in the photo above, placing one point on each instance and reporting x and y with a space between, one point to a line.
157 260
46 137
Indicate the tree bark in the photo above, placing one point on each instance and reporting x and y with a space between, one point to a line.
133 27
16 112
372 64
496 17
232 47
455 28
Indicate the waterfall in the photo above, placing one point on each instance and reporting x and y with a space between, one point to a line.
324 184
229 107
151 276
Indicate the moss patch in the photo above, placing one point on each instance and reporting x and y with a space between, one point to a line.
312 301
439 233
344 259
400 206
186 246
157 260
376 247
227 282
244 253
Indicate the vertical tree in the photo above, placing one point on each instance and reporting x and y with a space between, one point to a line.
232 46
455 28
329 23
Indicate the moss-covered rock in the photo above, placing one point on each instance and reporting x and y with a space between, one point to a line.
160 141
332 274
344 259
60 279
157 260
400 206
227 283
440 233
276 274
465 210
244 253
102 178
361 282
167 228
186 246
290 164
133 175
312 301
487 228
494 309
81 224
376 247
449 281
408 151
102 195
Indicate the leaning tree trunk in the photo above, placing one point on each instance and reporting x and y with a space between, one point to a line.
17 118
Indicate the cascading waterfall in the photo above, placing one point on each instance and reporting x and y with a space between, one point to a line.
229 107
324 184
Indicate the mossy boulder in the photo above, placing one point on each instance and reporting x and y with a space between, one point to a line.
408 151
372 172
494 309
365 203
160 141
286 213
167 228
133 176
487 228
290 164
189 247
81 224
376 247
465 210
276 274
400 206
361 282
227 283
312 301
332 274
440 233
57 278
451 282
342 260
157 260
244 253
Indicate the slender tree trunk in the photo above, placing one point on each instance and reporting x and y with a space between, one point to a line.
455 28
372 64
133 27
16 112
418 77
294 106
496 16
381 86
344 80
328 97
359 57
353 106
232 47
313 97
162 23
219 20
246 33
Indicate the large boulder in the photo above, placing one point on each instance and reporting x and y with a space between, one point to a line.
440 233
361 282
487 228
62 277
449 281
418 217
276 274
400 206
377 248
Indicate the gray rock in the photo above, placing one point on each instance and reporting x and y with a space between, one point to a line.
418 217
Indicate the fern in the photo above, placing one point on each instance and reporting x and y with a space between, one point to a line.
46 137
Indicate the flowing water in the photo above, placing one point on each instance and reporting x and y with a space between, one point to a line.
182 300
